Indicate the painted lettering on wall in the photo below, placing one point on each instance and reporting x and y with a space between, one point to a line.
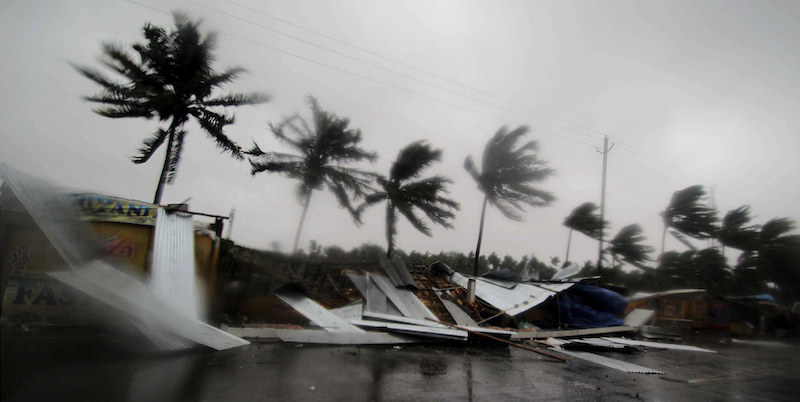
20 258
100 208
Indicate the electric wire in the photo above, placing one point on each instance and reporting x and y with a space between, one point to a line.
389 70
641 153
630 148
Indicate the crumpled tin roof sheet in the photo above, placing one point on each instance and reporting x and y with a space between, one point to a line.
314 312
511 297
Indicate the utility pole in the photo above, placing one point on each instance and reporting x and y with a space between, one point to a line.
230 225
606 149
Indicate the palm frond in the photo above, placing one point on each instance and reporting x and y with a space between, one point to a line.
237 99
627 245
213 124
343 199
149 146
507 172
688 214
584 219
413 159
414 220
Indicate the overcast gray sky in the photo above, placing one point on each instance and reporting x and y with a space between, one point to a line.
691 92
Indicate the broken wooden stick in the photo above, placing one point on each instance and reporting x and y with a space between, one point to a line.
501 340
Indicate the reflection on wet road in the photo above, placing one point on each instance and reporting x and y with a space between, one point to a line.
84 365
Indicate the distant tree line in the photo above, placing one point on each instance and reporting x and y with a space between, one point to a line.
169 76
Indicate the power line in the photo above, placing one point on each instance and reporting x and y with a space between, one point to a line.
638 152
622 143
390 70
367 78
419 70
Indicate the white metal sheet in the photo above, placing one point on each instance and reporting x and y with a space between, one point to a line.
173 272
405 300
316 313
514 301
342 338
658 345
459 315
609 362
442 332
109 285
639 317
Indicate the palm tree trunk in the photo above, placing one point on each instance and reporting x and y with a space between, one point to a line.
480 236
389 229
302 219
663 241
165 170
569 240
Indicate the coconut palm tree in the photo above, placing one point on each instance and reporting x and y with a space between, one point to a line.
405 192
506 177
776 257
585 220
169 76
627 246
687 214
736 230
325 147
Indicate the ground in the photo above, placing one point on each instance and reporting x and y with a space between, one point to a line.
90 364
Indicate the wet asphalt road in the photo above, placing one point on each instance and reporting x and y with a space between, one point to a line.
113 365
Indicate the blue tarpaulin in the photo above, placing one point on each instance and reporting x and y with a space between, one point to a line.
591 307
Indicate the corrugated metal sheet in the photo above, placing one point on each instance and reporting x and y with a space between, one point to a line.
658 345
397 272
405 300
350 312
458 314
609 362
109 285
314 312
173 275
416 330
57 215
515 299
342 338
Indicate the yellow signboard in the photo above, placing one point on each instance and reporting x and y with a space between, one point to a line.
110 209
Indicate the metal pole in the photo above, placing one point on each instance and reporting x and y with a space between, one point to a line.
602 207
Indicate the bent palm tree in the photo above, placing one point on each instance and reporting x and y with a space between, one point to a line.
325 146
584 219
404 193
506 176
171 78
776 257
736 230
626 245
687 214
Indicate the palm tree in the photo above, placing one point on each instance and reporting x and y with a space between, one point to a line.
170 77
404 192
687 214
626 245
736 230
777 256
507 175
325 146
584 220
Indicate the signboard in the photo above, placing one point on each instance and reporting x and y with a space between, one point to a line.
39 301
110 209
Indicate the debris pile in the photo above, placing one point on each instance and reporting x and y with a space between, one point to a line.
389 302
